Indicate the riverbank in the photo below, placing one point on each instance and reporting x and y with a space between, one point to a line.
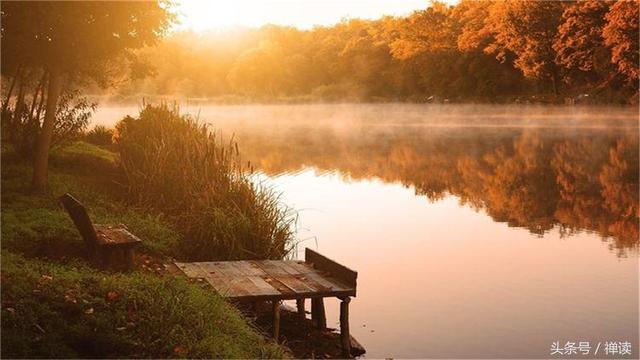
54 304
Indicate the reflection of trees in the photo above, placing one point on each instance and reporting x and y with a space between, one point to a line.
536 179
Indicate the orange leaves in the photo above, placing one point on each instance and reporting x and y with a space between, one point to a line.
113 296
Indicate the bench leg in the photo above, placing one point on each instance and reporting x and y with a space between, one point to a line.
129 258
300 306
318 316
345 337
276 319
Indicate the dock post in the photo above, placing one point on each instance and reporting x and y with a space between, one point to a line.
300 306
276 320
345 337
318 316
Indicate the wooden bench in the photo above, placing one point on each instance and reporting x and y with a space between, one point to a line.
315 278
110 246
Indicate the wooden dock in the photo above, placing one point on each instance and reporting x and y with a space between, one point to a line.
275 280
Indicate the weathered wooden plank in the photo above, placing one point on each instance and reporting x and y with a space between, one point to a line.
300 267
298 286
282 288
248 268
323 263
220 269
323 283
265 289
220 284
240 287
192 270
271 267
270 279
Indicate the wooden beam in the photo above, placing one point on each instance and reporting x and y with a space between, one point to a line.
276 320
318 316
323 263
300 306
345 337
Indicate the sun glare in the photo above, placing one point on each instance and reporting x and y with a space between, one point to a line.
202 15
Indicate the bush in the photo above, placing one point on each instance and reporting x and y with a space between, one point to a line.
99 135
177 165
20 125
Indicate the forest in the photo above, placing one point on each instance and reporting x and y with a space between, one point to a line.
480 51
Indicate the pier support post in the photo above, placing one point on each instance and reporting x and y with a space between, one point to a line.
318 316
300 306
276 319
345 337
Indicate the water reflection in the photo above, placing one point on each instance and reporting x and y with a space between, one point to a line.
441 280
538 179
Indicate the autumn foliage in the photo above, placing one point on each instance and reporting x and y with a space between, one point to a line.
475 50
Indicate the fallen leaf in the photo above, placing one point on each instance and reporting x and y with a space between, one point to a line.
178 349
123 328
89 311
113 296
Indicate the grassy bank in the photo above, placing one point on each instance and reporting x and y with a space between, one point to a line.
55 305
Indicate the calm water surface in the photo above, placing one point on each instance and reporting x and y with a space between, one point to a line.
477 231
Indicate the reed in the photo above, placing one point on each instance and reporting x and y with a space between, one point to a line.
176 164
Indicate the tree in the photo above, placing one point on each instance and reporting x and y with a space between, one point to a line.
73 42
621 36
579 44
528 29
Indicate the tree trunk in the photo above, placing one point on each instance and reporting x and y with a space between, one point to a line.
5 105
41 158
554 82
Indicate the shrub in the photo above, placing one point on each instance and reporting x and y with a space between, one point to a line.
99 135
177 165
20 125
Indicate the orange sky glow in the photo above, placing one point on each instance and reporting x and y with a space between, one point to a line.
203 15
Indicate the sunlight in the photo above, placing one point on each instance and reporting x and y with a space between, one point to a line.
201 15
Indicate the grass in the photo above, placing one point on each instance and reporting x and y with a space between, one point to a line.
57 311
37 225
55 305
175 163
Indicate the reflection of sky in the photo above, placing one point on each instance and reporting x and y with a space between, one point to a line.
442 280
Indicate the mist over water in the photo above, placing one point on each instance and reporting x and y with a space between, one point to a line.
477 231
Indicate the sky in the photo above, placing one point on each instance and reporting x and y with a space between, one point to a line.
202 15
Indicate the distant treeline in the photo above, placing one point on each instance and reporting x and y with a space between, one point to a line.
494 51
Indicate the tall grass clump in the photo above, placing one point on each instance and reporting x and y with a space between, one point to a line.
174 163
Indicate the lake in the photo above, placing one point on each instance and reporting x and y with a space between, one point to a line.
477 231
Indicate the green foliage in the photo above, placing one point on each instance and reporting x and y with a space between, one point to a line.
99 135
21 120
57 311
175 164
80 37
